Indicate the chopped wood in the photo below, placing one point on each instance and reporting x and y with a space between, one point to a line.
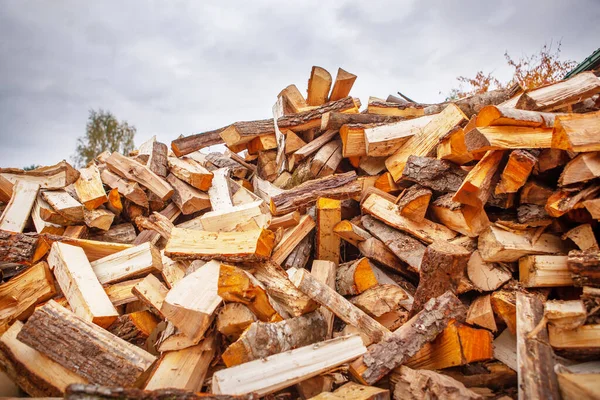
351 232
127 264
51 177
507 137
466 219
382 107
493 115
376 250
189 144
386 183
422 384
355 277
329 214
40 206
580 343
584 267
99 218
343 83
477 185
134 328
151 292
481 314
486 276
130 190
190 172
576 132
325 272
413 203
318 86
233 319
6 189
569 314
497 244
380 299
438 175
313 146
578 386
504 305
139 173
327 159
89 188
517 170
122 293
291 238
17 211
285 221
187 198
293 101
334 120
544 271
122 233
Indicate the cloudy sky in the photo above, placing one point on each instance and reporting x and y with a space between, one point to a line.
182 67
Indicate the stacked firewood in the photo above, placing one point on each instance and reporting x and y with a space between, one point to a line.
407 250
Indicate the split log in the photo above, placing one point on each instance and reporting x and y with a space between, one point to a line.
537 379
233 319
385 140
41 226
95 354
121 233
372 165
344 81
318 86
407 340
354 391
152 293
569 314
242 217
560 94
581 343
285 221
300 255
169 214
127 264
452 147
6 189
466 219
79 284
551 158
327 159
329 213
477 186
313 146
422 384
516 172
504 304
278 371
507 137
325 272
591 300
122 293
593 207
18 248
293 142
502 116
340 186
293 101
578 386
505 349
334 120
130 190
78 232
496 244
584 167
139 173
99 218
263 339
355 277
376 250
190 172
191 304
189 144
55 176
425 142
382 107
171 339
576 132
187 198
584 267
292 238
481 314
583 236
254 245
386 183
544 271
17 211
438 175
89 188
261 143
36 374
351 232
157 160
486 276
328 297
135 327
380 299
413 203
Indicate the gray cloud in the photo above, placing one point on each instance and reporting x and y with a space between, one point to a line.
182 67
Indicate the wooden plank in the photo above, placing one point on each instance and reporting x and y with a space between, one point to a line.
17 211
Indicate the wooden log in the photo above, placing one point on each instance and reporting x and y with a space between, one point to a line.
593 207
481 314
139 173
551 158
355 277
504 304
36 374
325 272
6 189
254 245
236 285
372 165
407 340
79 284
535 359
190 172
300 255
353 140
560 94
376 250
327 159
438 175
157 161
189 144
263 339
192 303
277 372
318 86
285 221
584 267
493 115
413 203
351 232
576 132
584 167
151 292
329 213
184 369
127 264
135 327
579 344
293 142
424 384
505 349
130 190
170 213
293 101
76 232
486 276
507 137
564 200
516 172
233 319
458 344
329 298
334 120
385 211
344 81
17 211
41 226
95 354
121 233
569 314
386 184
578 386
55 176
382 107
291 238
99 218
122 293
466 219
261 143
339 186
442 267
89 188
496 244
452 147
425 142
583 236
313 146
544 271
187 198
387 139
477 185
242 217
19 295
171 339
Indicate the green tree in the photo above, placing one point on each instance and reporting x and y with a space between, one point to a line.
30 167
103 133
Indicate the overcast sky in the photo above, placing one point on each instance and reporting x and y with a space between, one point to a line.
182 67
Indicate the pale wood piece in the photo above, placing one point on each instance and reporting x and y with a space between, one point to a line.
300 255
17 211
89 188
55 176
344 81
36 374
187 198
79 284
6 189
505 349
135 327
535 359
122 293
569 314
329 213
584 167
516 172
380 299
425 142
184 369
151 292
261 143
353 140
139 173
254 245
577 132
486 276
233 319
94 353
580 343
130 190
335 120
466 219
21 293
578 386
504 304
477 186
584 266
76 232
480 313
385 211
220 190
327 159
560 94
127 264
376 250
172 339
99 218
407 340
190 172
328 297
312 147
593 207
293 101
412 384
355 277
497 244
318 86
325 272
285 221
354 391
242 217
191 304
41 226
544 271
500 116
507 137
385 140
165 221
292 238
172 271
351 232
372 165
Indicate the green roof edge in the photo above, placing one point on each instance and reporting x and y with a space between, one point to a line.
585 64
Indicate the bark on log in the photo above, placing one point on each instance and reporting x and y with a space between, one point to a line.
96 392
585 267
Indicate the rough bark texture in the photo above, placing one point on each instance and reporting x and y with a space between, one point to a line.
17 248
472 104
334 120
158 159
97 392
412 384
195 142
83 347
585 267
439 175
407 340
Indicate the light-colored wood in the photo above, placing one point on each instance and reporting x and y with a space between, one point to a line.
425 142
565 314
151 292
505 349
55 176
261 143
407 110
312 147
486 276
351 232
220 190
386 183
285 221
192 303
477 186
318 86
327 159
380 299
344 81
127 264
190 172
516 172
187 198
544 271
184 369
233 218
501 116
64 204
481 314
172 271
130 190
584 167
424 384
329 298
157 160
387 139
535 193
40 225
6 189
353 140
36 374
89 188
354 391
579 343
579 386
293 101
79 284
577 132
355 277
278 371
377 251
122 293
233 319
291 238
452 146
385 211
466 219
329 213
593 207
121 233
139 173
325 272
504 304
497 244
507 137
99 218
560 94
583 236
17 211
172 339
94 353
293 142
254 245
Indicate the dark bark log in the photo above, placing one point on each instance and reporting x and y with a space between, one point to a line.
96 392
473 104
189 144
334 120
585 267
439 175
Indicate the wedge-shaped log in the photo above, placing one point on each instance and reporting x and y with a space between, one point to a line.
344 81
313 146
233 319
231 219
292 238
51 177
122 293
477 186
135 327
6 189
481 313
293 101
413 203
544 271
329 213
36 374
351 232
151 292
438 175
385 140
325 272
339 186
89 188
497 244
486 276
127 264
385 211
17 211
319 84
452 147
458 344
130 190
79 284
99 218
355 277
284 369
377 251
386 183
192 303
565 314
327 159
187 198
577 132
285 221
585 267
425 142
504 304
424 384
507 137
581 343
252 245
134 171
189 144
263 339
190 172
583 236
407 340
463 218
516 172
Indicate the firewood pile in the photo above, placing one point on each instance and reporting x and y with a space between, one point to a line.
404 251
